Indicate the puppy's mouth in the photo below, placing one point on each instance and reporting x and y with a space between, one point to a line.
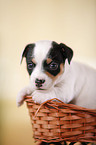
39 88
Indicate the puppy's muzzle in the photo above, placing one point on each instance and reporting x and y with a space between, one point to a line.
39 82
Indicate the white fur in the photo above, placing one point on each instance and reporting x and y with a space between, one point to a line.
76 84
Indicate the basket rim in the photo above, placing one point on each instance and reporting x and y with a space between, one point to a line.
59 102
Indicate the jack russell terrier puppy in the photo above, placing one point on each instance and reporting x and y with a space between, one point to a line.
54 75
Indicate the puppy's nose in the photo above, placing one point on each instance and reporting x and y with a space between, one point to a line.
39 82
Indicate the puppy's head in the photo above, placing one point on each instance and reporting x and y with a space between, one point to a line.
45 62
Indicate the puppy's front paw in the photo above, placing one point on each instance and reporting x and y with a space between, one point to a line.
21 95
41 96
37 96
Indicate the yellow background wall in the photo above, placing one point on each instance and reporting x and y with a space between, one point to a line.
72 22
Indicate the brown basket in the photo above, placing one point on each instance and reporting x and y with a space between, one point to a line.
55 121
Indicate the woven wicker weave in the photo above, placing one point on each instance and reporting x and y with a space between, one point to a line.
55 121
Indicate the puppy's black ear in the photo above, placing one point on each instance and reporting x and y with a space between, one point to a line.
25 51
66 52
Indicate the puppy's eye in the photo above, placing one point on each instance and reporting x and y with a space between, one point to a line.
30 65
53 66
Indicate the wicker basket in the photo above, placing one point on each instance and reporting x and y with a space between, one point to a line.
55 121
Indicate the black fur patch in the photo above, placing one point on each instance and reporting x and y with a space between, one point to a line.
58 53
47 68
57 59
66 51
28 54
55 53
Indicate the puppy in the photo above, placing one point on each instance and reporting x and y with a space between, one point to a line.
54 75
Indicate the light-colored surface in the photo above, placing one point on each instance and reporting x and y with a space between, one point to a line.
25 21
